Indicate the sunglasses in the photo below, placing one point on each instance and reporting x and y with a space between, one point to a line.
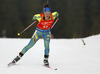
47 13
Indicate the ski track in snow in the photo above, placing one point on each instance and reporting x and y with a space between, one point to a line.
69 56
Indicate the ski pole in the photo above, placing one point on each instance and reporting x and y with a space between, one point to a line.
55 22
47 1
26 28
83 42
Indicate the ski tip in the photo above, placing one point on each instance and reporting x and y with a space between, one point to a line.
50 67
10 64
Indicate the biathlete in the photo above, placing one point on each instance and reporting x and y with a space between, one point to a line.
45 21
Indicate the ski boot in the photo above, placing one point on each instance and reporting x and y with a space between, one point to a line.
16 59
46 63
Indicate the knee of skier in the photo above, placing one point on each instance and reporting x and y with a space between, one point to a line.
30 44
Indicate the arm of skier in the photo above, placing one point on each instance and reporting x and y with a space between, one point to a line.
55 15
37 17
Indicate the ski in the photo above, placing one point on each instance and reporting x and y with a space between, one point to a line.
50 67
11 64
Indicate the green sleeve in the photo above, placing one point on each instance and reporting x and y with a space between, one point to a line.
55 14
37 17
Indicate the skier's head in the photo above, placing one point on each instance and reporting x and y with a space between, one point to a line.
46 7
46 10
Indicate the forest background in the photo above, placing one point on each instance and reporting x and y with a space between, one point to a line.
78 18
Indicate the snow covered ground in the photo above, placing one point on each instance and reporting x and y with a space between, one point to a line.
69 56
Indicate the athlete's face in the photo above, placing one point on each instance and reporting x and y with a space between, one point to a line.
47 14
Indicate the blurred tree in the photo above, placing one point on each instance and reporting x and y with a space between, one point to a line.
95 29
9 17
78 18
